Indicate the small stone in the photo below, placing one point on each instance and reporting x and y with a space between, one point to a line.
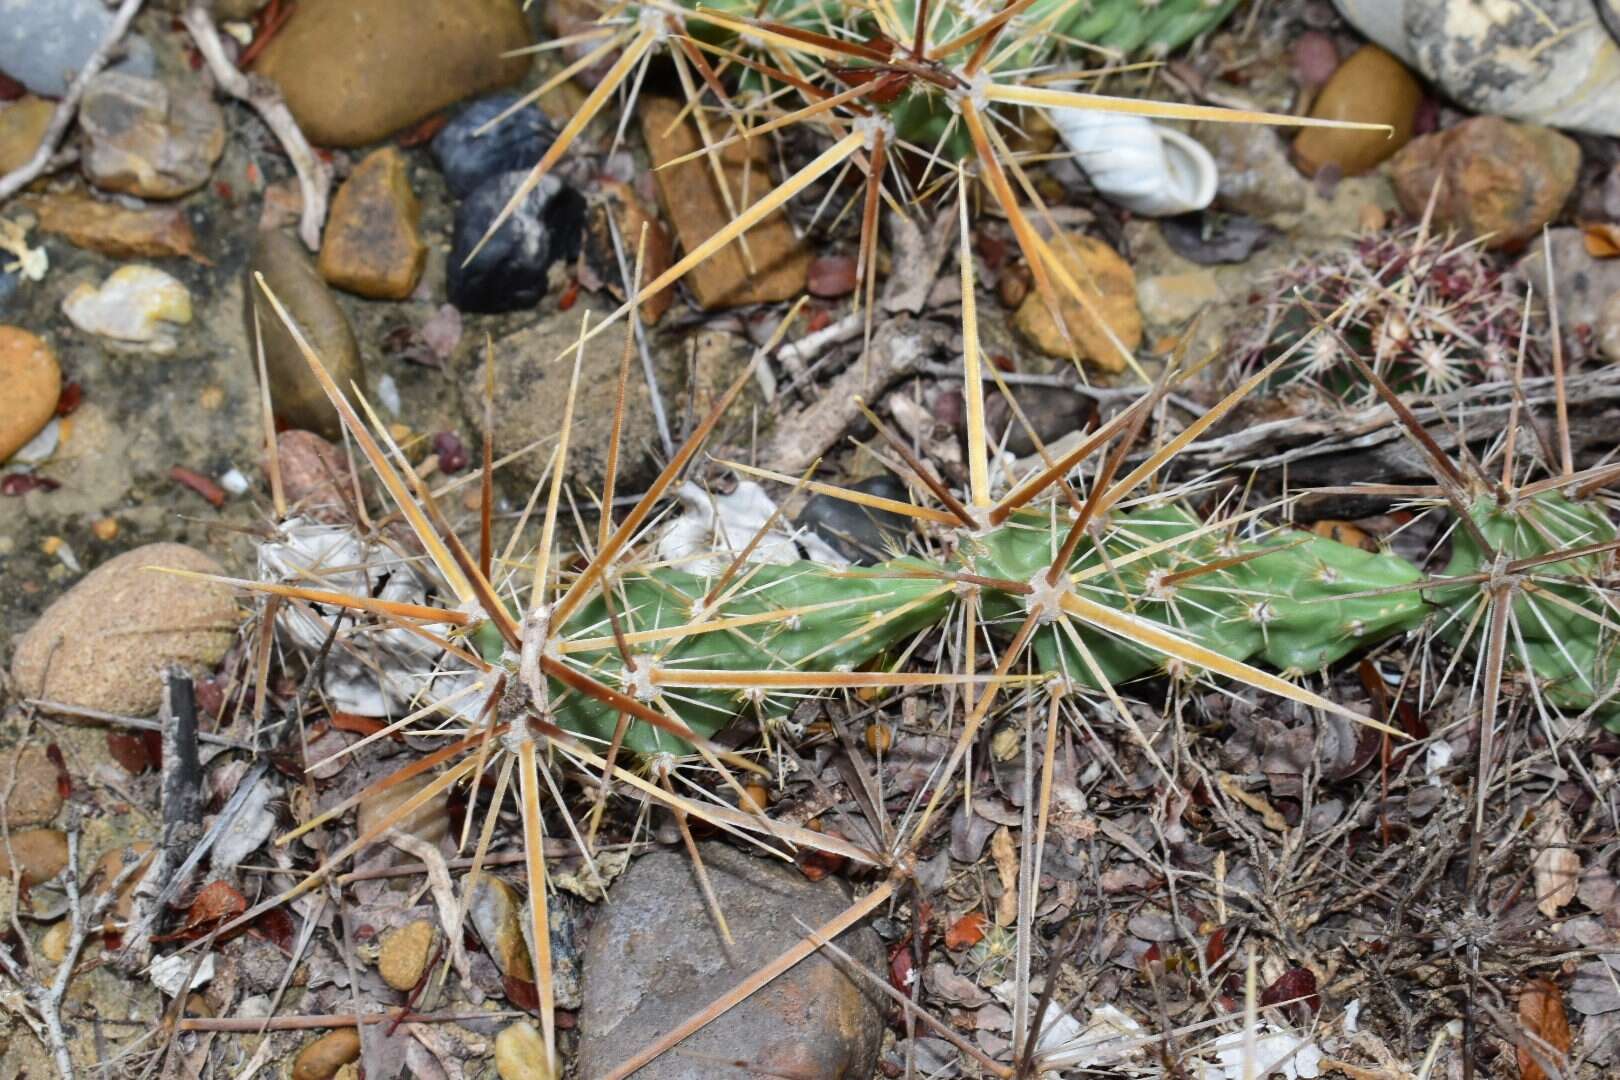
322 1058
144 138
45 43
105 529
1371 88
1608 329
832 276
404 954
520 1054
655 957
631 216
155 233
110 865
510 271
775 265
36 796
54 944
103 644
315 477
356 71
497 915
1172 299
516 143
1111 287
291 275
1315 59
22 126
1496 178
372 247
30 383
37 854
140 306
1582 284
860 534
429 822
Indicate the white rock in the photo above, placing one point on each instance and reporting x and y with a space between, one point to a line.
139 305
168 973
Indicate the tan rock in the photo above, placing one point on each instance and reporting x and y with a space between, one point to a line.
775 265
356 71
630 216
22 126
497 915
322 1058
1110 285
429 822
110 865
113 230
35 796
143 137
55 942
372 247
404 954
1495 177
103 644
30 382
1371 88
1172 299
37 854
520 1053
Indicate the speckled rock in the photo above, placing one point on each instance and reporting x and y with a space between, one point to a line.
403 954
30 382
356 71
1111 287
45 43
22 126
37 854
35 796
1583 284
315 476
655 957
103 644
371 247
291 275
143 137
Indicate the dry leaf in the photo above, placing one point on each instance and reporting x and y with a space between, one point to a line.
1602 239
966 932
1005 854
1268 813
1541 1011
1558 867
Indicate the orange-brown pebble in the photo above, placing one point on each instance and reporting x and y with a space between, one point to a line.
879 737
321 1059
1372 88
30 381
755 798
105 528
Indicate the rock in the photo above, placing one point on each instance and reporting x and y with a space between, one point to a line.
1111 286
516 143
137 305
520 1053
9 281
859 533
497 914
1051 414
630 215
404 954
35 796
1372 88
655 958
30 382
322 1058
315 477
54 944
160 232
45 43
1608 328
292 277
775 265
110 865
37 854
1496 177
1314 58
22 126
831 276
103 644
371 247
429 822
356 71
142 137
1171 299
533 392
1585 286
509 272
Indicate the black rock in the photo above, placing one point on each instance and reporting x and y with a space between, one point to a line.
509 272
8 287
517 142
859 533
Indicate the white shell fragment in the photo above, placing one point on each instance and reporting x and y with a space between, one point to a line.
138 305
1147 169
726 523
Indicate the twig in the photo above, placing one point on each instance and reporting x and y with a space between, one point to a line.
314 175
60 708
31 169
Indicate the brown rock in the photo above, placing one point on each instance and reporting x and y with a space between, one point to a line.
497 915
103 644
54 944
520 1053
37 854
1370 88
372 247
429 822
630 216
110 865
35 796
145 138
832 276
775 265
30 382
22 126
356 71
1111 288
1496 177
315 476
113 230
321 1059
404 954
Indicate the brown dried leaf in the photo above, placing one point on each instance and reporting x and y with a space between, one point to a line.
1005 854
1541 1011
1558 867
1268 813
